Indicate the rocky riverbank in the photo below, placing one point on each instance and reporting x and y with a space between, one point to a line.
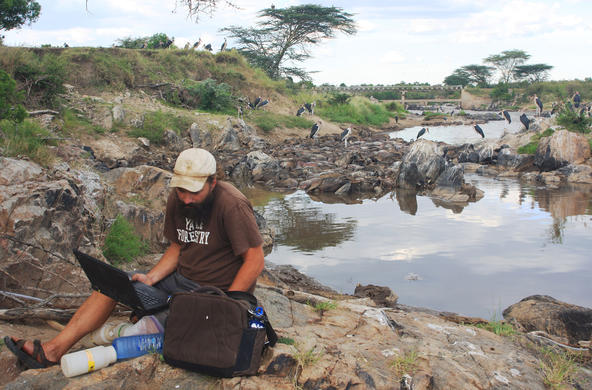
350 342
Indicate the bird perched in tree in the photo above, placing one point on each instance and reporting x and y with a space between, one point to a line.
208 47
196 44
345 135
479 130
300 111
506 115
525 121
422 132
223 47
539 104
310 107
315 129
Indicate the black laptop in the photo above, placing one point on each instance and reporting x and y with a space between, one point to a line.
117 284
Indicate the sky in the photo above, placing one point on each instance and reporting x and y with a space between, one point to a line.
410 41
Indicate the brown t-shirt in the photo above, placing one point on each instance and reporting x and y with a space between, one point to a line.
211 254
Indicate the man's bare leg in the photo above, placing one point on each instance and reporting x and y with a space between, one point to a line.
90 315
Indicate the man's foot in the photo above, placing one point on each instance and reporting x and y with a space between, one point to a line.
34 359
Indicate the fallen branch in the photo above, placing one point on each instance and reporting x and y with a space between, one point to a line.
41 112
20 314
152 85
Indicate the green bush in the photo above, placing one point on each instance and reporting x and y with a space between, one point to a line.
211 96
44 78
10 99
532 146
25 139
155 124
357 111
572 120
122 244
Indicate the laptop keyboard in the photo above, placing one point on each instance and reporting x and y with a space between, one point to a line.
147 298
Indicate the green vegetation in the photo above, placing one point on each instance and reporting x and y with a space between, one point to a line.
15 13
10 99
406 364
26 138
325 306
572 120
268 121
156 122
286 340
557 368
434 115
75 124
358 111
211 96
498 327
122 244
531 147
307 358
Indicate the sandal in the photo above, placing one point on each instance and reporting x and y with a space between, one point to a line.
34 361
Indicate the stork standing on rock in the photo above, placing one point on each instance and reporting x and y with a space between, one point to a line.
525 121
506 115
479 130
310 107
538 102
315 129
422 132
345 135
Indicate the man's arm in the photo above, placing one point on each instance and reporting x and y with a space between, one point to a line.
165 266
253 262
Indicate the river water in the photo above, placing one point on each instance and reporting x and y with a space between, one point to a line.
519 240
460 134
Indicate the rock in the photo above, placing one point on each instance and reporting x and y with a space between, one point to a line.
114 154
229 141
453 176
545 313
16 172
174 142
421 166
560 149
578 173
118 113
382 296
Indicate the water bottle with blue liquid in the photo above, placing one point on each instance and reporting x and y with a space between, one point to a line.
257 318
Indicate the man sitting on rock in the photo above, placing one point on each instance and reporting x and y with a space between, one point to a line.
229 257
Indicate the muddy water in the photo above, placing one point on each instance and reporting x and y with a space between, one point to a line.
475 260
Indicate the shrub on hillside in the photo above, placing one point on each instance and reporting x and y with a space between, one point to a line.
25 139
211 96
10 99
572 120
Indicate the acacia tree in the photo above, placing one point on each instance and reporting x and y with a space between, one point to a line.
532 73
470 74
506 62
15 13
284 34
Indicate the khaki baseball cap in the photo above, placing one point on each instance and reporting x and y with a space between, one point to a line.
192 169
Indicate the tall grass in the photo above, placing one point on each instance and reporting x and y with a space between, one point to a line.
358 111
122 244
156 122
267 121
26 139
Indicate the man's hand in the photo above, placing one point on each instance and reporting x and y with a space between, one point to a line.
143 278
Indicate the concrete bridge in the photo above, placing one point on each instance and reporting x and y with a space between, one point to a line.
403 89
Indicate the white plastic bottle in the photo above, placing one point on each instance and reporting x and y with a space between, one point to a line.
105 334
87 360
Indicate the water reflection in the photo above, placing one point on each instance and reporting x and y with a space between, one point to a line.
517 241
